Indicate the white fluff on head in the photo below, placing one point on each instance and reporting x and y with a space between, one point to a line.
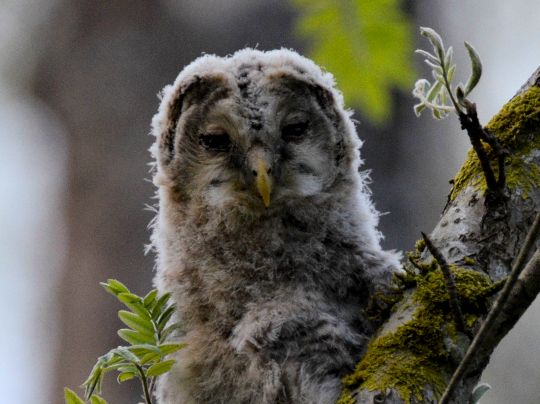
272 301
282 59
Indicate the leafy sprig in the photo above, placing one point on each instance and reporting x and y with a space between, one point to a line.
441 97
145 358
435 97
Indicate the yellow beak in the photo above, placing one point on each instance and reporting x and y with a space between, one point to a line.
263 181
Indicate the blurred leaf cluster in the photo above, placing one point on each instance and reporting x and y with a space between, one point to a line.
365 44
145 358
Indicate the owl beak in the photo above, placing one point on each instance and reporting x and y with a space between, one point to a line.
263 180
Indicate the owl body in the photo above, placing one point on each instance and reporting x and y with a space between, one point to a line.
266 235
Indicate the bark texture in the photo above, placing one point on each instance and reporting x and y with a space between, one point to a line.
413 355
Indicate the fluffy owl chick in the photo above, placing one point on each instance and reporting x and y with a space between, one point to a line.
266 235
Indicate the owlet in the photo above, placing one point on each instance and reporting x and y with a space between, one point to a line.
266 235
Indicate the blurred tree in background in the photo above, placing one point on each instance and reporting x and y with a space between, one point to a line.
367 45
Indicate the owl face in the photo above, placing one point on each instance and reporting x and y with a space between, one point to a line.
252 134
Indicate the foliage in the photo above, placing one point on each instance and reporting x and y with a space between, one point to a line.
436 96
145 358
478 392
365 44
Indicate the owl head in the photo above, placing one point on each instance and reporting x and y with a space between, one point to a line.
256 131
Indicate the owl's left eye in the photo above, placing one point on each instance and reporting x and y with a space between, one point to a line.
294 131
215 141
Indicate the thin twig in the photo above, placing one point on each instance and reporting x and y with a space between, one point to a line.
501 154
471 124
450 285
494 289
469 121
144 382
495 311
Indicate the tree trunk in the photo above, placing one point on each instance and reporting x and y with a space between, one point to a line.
415 352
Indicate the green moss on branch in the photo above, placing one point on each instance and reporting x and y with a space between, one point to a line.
416 354
517 126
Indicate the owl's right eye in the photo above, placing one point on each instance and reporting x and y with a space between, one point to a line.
215 141
294 132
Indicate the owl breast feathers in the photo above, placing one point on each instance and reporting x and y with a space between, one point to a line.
266 234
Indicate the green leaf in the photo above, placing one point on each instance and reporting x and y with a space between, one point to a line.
122 377
136 322
365 44
139 309
478 392
418 108
427 55
127 297
450 73
160 368
165 317
161 302
142 349
128 367
435 40
434 91
93 382
167 349
150 298
135 337
476 69
125 353
116 366
70 397
114 287
448 57
443 98
150 357
95 399
167 331
432 64
438 74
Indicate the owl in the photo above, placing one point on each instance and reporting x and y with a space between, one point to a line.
266 235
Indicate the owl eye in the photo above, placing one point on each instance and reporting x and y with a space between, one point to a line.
294 131
215 141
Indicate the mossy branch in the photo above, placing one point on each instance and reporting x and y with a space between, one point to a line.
498 307
450 285
414 354
469 122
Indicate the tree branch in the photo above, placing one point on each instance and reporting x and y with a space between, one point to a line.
500 305
474 238
450 285
477 134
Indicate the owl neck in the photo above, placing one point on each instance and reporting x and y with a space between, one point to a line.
246 237
237 258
